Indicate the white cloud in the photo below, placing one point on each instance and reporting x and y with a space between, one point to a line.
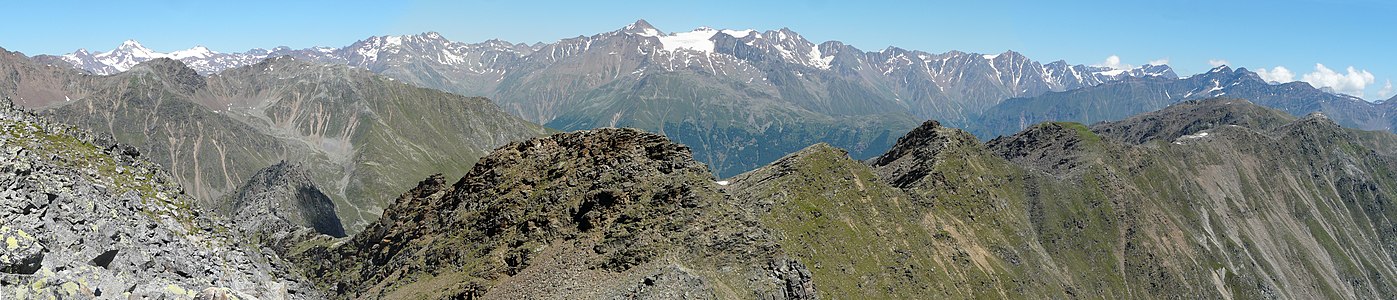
1277 74
1160 62
1217 62
1386 91
1114 62
1352 82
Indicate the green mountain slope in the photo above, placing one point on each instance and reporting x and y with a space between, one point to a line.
1262 205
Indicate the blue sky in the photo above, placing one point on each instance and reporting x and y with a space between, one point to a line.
1190 34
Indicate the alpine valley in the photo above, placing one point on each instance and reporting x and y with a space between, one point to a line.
707 164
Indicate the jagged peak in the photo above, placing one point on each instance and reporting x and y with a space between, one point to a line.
1007 54
431 35
922 134
1220 69
928 136
893 50
640 24
916 154
642 28
788 31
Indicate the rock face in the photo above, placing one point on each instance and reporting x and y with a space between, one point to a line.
282 197
611 213
88 218
918 151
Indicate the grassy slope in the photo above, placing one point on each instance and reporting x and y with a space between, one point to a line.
1212 217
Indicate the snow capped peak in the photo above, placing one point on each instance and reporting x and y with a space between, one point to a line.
77 56
135 49
640 24
196 52
641 28
131 44
989 56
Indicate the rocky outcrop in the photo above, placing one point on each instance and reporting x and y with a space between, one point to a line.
916 153
1055 148
611 213
279 198
87 218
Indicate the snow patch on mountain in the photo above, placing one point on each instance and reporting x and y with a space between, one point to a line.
1113 72
196 52
818 60
700 39
740 33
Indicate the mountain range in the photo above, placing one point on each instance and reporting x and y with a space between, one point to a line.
1186 202
756 164
1118 100
364 137
723 92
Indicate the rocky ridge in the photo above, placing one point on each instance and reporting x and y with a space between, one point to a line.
1218 198
609 213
